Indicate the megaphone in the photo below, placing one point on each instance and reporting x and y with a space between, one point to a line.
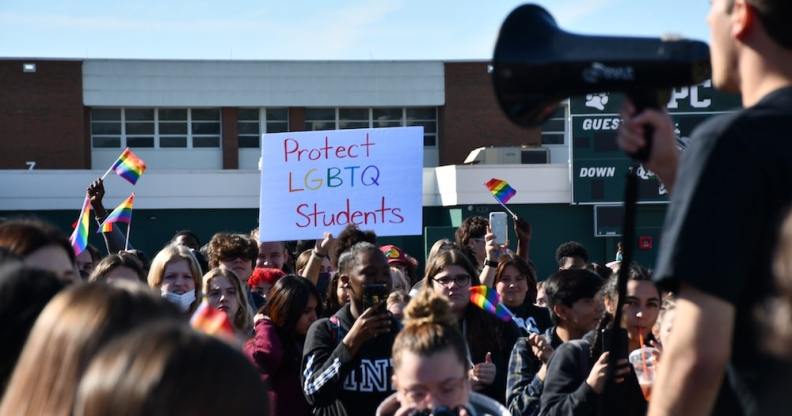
536 65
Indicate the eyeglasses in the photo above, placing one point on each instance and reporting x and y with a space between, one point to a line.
449 389
460 280
234 256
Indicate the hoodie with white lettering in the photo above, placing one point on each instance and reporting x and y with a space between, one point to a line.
337 383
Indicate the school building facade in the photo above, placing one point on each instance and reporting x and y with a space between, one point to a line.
198 126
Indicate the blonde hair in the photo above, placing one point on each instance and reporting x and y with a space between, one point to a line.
429 328
170 253
69 331
243 319
438 246
398 276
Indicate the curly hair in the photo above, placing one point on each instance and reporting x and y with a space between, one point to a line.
472 227
225 246
571 249
350 236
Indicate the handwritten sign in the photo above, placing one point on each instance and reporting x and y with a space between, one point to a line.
317 181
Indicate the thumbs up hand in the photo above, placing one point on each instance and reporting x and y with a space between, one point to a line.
483 374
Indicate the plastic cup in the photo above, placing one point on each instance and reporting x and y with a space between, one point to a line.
644 361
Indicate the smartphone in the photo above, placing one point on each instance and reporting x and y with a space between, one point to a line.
375 295
498 222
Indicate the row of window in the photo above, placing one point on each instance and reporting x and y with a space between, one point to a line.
155 127
201 128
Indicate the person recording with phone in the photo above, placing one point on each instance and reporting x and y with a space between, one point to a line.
346 366
728 192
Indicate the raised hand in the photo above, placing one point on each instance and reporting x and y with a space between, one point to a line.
483 374
598 375
540 347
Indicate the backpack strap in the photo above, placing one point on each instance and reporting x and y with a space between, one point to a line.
339 332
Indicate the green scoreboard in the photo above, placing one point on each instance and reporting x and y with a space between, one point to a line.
599 167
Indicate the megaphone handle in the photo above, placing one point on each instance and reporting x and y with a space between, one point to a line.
643 99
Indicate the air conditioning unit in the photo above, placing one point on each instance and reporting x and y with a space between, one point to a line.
508 155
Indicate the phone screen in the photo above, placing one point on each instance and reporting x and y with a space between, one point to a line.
374 295
499 226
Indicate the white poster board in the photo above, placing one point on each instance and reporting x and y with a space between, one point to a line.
318 181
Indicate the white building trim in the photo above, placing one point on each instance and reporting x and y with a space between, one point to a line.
164 83
34 190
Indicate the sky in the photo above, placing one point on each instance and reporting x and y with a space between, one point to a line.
311 30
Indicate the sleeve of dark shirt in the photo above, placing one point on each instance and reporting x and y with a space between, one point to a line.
565 389
711 229
523 388
326 363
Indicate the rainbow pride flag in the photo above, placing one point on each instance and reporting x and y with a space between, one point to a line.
213 322
121 213
129 166
79 237
500 189
487 298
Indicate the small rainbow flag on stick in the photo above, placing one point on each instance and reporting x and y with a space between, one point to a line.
487 298
213 322
128 166
502 192
122 213
79 237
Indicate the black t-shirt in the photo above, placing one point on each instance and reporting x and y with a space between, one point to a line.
733 187
531 319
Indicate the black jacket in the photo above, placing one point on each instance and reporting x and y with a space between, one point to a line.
567 393
337 383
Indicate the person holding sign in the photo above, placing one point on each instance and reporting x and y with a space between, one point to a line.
346 363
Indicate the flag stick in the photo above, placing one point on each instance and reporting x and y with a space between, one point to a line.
129 226
506 208
108 172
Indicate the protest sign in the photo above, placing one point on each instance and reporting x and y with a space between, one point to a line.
317 181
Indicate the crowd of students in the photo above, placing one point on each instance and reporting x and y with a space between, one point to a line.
95 334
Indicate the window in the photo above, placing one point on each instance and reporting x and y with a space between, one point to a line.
106 128
554 129
139 127
173 127
249 127
277 120
353 118
113 128
426 117
387 117
320 119
357 118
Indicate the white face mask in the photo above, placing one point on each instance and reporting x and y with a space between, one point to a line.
183 301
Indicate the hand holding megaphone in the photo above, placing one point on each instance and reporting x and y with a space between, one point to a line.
661 148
